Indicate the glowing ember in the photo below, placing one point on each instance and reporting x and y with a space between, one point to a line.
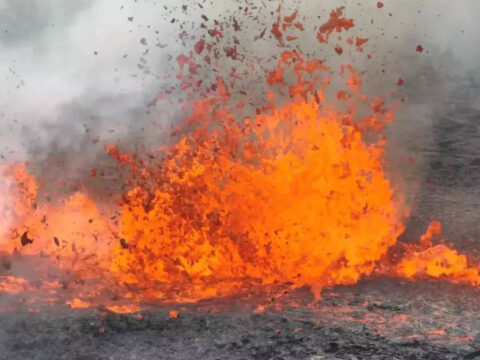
13 285
78 304
335 23
124 309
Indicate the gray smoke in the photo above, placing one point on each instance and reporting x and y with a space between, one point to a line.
78 74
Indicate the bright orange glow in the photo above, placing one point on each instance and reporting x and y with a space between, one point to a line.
437 332
13 285
437 261
78 304
294 194
124 309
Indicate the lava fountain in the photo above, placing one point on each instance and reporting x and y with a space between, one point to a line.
297 193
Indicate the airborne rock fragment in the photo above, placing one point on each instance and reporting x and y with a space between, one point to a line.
25 240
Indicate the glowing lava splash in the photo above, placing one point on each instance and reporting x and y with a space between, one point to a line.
291 195
296 193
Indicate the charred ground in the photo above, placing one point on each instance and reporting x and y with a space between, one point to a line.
376 319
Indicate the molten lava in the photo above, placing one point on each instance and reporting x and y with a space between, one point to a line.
292 195
295 194
437 261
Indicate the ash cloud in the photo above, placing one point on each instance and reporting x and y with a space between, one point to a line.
78 71
25 22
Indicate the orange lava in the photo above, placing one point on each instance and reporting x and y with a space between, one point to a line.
124 309
79 304
436 332
295 194
72 230
13 285
437 261
336 23
291 195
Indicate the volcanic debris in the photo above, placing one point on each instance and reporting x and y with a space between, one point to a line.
25 240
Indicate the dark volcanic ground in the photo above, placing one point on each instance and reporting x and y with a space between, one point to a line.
376 319
450 193
379 318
